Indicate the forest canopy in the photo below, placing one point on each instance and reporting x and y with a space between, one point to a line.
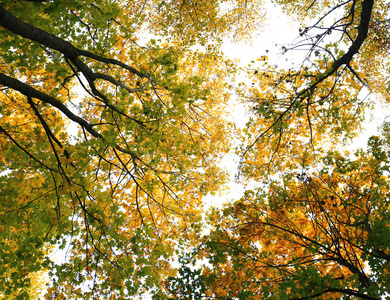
114 117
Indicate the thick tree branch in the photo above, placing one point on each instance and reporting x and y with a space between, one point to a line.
35 34
363 27
31 92
17 26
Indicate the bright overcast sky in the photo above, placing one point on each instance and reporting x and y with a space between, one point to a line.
279 30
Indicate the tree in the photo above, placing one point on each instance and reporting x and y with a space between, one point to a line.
322 101
144 87
121 189
323 235
317 227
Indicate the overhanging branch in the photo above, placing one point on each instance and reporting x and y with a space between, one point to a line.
31 92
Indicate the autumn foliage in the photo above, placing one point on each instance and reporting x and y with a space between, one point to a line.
114 116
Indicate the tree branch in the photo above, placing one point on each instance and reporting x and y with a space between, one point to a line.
31 92
17 26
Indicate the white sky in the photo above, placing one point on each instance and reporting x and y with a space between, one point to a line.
279 30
